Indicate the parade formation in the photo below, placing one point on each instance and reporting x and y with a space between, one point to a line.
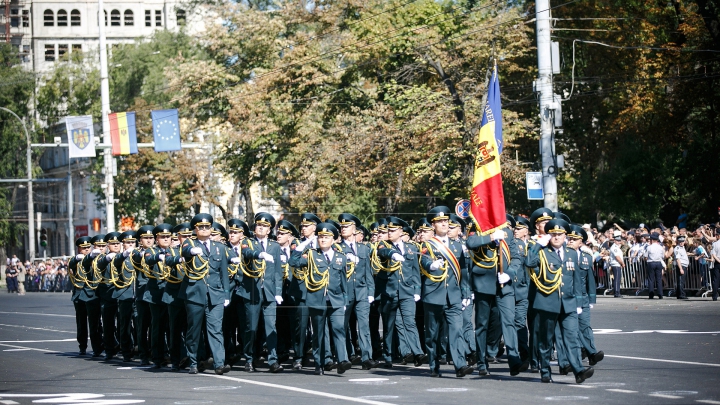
332 295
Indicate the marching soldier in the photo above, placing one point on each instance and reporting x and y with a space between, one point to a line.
456 227
233 327
124 281
206 291
105 290
520 284
360 288
77 275
538 219
445 292
261 290
93 278
287 236
557 284
398 285
142 325
154 269
326 283
174 273
298 292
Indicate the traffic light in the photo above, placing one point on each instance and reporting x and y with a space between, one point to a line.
43 237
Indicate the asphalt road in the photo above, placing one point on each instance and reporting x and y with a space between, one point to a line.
657 352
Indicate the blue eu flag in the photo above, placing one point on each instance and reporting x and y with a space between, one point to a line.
166 130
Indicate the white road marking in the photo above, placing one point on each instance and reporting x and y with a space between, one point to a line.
380 397
581 386
641 332
302 390
565 398
134 368
216 388
621 391
708 401
16 350
675 392
367 379
448 389
30 327
664 361
37 341
29 348
74 398
8 402
35 313
665 396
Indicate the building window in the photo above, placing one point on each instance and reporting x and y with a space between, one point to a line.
181 17
62 50
75 18
115 18
14 17
49 52
129 18
76 48
49 18
158 18
105 12
148 18
62 20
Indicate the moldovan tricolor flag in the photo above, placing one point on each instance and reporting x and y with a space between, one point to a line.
487 201
123 134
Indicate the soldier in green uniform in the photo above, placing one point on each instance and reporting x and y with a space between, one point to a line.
538 219
287 238
105 290
520 284
142 307
261 290
206 291
326 298
361 289
93 279
557 285
123 278
456 228
154 268
234 315
445 292
77 276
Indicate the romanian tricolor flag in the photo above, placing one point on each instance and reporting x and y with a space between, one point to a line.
487 201
122 133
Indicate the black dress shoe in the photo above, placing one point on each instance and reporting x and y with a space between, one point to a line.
593 359
109 356
97 354
463 371
157 365
297 365
354 359
587 373
472 359
344 366
435 374
442 361
501 349
369 364
276 368
519 368
127 359
546 380
184 362
249 367
318 371
408 358
174 369
583 353
534 370
565 370
386 364
82 352
222 370
483 371
492 360
419 359
330 366
193 370
144 362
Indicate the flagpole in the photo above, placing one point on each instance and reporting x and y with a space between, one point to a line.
105 103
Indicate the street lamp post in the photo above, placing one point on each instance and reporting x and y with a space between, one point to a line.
31 210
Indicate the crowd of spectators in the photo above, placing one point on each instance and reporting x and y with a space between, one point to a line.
44 275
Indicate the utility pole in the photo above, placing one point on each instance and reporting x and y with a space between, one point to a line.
71 209
105 101
544 86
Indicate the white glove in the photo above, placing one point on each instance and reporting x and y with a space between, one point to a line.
544 240
351 257
472 296
278 299
370 299
94 252
437 264
579 310
302 246
416 297
161 256
80 256
267 257
344 307
195 251
465 303
235 260
127 252
110 256
226 303
498 235
503 278
592 306
398 257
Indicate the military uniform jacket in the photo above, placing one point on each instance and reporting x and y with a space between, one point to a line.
105 289
214 287
587 279
483 267
141 279
563 298
297 288
125 272
404 282
88 291
336 290
236 278
451 289
269 284
73 265
154 268
361 283
521 280
174 268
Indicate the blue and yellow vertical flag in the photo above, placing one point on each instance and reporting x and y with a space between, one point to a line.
487 201
166 130
123 135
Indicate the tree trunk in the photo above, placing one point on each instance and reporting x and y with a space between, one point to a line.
249 212
231 202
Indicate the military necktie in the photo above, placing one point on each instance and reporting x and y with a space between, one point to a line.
352 247
327 258
397 246
262 244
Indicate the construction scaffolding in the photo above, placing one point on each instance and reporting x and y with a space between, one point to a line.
15 24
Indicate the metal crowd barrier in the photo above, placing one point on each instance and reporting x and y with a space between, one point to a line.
635 281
